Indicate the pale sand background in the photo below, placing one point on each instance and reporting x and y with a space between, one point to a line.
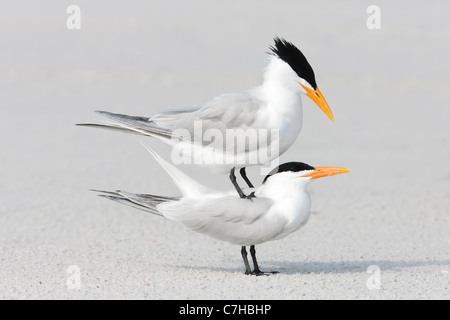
389 91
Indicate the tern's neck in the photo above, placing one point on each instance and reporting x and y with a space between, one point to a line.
279 76
278 188
290 200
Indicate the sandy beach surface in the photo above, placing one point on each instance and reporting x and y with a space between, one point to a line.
379 232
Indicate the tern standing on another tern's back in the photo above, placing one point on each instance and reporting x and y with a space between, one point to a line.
274 105
280 206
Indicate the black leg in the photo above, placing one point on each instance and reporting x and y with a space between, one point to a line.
256 270
238 189
244 176
235 184
244 256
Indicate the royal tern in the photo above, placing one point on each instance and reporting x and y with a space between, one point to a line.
280 206
267 119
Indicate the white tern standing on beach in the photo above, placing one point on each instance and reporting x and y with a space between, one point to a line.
280 206
241 129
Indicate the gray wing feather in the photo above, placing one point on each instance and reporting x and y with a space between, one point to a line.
227 111
142 125
146 202
228 218
108 127
232 110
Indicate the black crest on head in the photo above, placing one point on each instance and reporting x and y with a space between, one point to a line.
289 166
290 54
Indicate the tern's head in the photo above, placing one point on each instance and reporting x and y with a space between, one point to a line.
290 66
299 173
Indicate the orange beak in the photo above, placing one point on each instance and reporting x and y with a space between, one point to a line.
320 172
317 97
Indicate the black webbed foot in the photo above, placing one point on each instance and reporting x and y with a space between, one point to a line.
250 196
256 271
262 273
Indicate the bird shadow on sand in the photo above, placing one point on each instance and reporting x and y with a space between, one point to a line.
330 267
355 266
